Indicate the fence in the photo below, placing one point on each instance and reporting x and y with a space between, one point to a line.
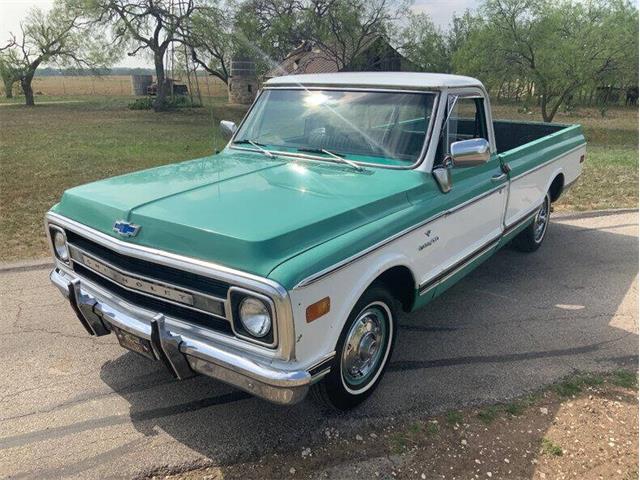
109 85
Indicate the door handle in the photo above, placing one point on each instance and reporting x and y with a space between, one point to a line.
499 177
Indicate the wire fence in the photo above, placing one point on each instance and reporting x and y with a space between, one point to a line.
109 85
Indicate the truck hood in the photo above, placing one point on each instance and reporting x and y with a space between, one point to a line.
238 209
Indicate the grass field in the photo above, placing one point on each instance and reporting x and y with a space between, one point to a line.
610 178
107 85
66 141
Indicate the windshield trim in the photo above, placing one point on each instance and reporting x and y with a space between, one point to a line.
416 164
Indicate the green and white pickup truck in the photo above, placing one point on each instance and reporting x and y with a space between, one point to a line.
279 265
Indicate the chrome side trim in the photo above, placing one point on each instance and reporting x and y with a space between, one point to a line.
548 162
338 266
473 200
276 292
518 223
322 273
458 266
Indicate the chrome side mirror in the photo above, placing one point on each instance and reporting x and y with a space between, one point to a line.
227 129
469 153
442 174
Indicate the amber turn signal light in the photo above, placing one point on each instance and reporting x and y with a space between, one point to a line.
318 309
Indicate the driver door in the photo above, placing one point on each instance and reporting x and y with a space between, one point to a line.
472 226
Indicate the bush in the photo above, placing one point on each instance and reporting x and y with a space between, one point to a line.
144 103
178 101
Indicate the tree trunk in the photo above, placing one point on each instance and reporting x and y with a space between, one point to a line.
8 86
549 113
25 83
160 103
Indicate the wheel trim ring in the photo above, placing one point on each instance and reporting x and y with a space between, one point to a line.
379 363
541 221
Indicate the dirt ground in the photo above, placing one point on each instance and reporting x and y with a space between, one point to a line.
584 428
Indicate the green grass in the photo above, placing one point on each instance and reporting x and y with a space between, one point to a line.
574 385
568 388
610 178
454 417
489 414
432 428
67 141
515 408
51 147
551 448
625 379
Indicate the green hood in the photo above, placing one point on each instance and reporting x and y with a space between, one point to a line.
241 210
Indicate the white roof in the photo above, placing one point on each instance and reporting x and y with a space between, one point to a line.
403 80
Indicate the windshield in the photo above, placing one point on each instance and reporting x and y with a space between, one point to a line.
374 127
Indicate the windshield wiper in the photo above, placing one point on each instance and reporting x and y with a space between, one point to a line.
258 146
339 158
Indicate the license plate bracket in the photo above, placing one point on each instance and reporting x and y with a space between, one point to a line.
136 344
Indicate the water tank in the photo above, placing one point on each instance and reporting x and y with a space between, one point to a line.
139 84
243 81
243 67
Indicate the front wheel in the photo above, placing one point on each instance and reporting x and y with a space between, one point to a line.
530 239
363 351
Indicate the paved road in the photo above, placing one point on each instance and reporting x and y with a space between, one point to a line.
74 406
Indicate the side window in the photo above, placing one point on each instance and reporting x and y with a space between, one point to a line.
466 121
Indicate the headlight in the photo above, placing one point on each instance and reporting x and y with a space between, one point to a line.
255 317
60 246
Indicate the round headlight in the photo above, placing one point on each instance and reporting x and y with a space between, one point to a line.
60 245
255 317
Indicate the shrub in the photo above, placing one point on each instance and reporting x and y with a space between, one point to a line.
144 103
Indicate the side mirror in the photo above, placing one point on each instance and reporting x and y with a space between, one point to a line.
469 153
227 129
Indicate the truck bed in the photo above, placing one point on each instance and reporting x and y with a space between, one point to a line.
512 134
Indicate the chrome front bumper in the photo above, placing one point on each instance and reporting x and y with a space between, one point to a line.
183 355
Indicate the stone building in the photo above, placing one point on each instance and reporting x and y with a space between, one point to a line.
243 81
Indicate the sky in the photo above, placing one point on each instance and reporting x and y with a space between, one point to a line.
13 11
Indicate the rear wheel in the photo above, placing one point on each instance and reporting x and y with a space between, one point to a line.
530 239
363 351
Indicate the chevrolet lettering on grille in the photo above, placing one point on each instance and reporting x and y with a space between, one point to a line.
137 283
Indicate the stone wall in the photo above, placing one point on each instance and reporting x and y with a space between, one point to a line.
243 89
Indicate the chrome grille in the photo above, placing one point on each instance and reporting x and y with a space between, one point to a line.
184 295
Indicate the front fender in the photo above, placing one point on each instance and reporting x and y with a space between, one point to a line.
344 287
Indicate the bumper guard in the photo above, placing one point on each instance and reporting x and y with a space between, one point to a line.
184 356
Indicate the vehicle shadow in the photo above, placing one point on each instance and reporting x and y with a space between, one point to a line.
519 322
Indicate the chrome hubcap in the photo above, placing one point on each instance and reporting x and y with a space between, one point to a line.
364 346
540 222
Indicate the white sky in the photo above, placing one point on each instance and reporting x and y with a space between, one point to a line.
13 11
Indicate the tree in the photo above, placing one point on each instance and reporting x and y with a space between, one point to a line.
8 74
151 25
561 47
425 44
210 40
54 36
267 30
341 29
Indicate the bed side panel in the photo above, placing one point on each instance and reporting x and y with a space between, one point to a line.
535 165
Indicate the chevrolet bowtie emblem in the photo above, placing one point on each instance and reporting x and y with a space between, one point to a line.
126 229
